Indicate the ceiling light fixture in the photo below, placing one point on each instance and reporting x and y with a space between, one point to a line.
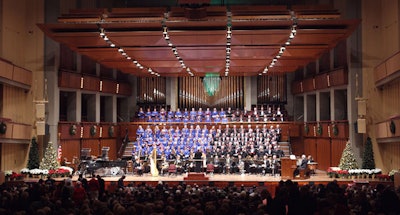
293 32
173 47
228 42
122 51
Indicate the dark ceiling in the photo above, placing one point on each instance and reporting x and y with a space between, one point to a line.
192 39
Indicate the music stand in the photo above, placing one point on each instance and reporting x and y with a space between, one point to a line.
104 152
85 153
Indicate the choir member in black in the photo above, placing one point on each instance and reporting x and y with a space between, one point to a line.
270 150
229 112
279 152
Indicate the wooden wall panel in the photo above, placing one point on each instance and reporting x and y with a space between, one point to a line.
109 86
86 130
310 147
343 130
9 132
6 69
294 130
17 105
125 89
21 131
338 77
91 83
323 153
112 154
297 145
106 128
337 147
308 85
23 76
131 131
321 81
380 72
381 130
69 80
390 151
93 144
64 130
70 149
13 156
393 64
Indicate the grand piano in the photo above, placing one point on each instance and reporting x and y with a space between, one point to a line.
100 166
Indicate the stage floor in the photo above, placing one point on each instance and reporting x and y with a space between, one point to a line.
223 180
318 177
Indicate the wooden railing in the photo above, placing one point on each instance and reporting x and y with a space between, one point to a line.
336 77
74 80
389 128
388 70
326 129
87 130
15 75
14 130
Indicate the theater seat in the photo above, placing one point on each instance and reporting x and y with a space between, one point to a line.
210 168
172 169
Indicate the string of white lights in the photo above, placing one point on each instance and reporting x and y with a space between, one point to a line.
228 42
282 49
123 53
174 49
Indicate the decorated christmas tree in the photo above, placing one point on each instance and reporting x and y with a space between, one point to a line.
33 161
348 161
368 156
49 160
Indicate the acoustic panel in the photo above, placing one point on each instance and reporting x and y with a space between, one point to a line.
361 126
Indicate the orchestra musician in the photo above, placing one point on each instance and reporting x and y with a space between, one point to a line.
275 165
265 165
153 162
216 163
179 164
228 164
137 166
164 165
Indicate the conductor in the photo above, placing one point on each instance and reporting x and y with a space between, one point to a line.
197 157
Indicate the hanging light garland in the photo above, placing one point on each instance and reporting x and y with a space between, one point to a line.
174 49
228 42
123 53
282 49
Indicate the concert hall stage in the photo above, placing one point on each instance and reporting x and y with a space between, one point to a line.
223 180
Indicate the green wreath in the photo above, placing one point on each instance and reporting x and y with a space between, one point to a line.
392 127
93 130
306 128
335 130
72 130
3 128
319 130
111 131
